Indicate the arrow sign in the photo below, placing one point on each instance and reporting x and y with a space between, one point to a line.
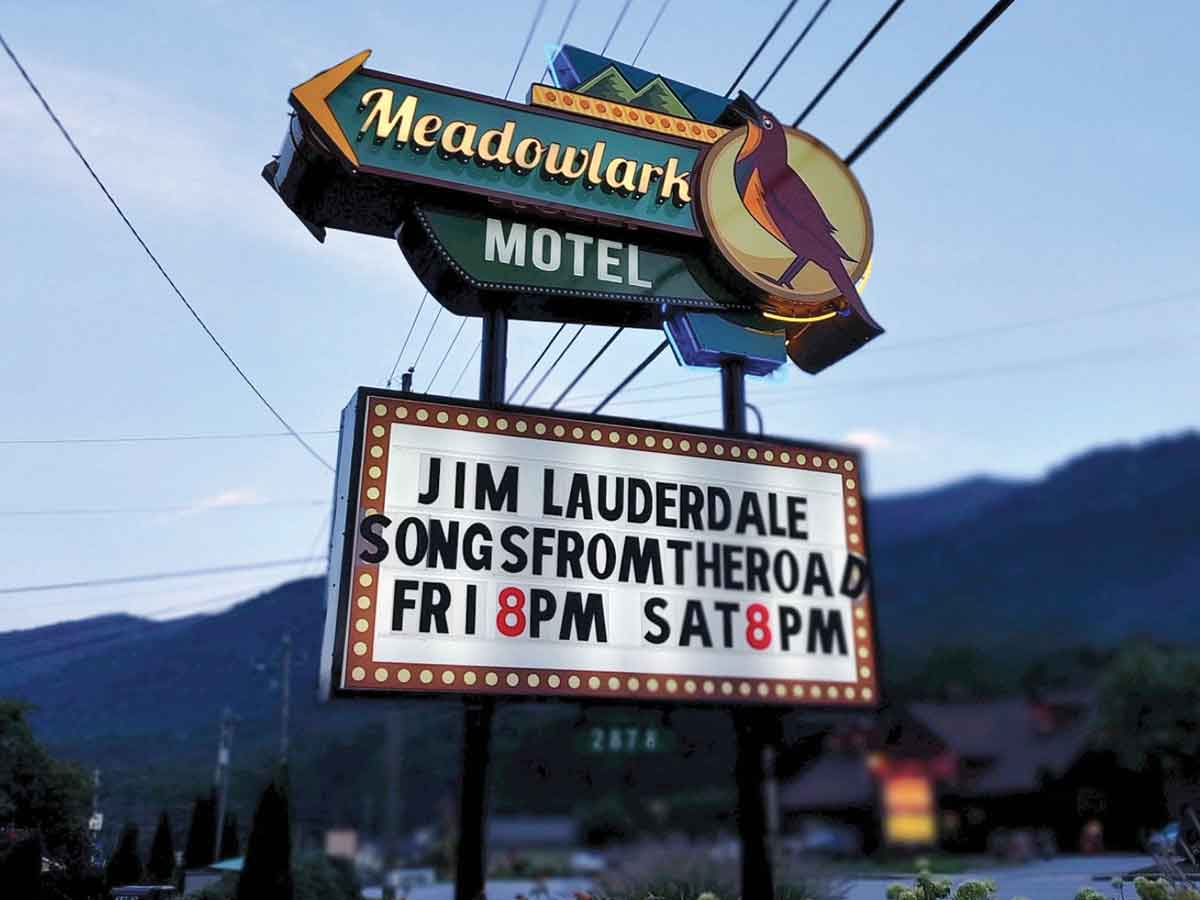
441 138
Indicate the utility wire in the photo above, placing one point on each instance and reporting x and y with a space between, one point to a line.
155 438
762 46
562 33
428 335
540 356
862 45
616 25
653 25
446 355
653 355
466 366
404 346
599 353
533 24
154 259
792 49
943 64
557 360
137 510
157 576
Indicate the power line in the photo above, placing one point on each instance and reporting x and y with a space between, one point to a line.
943 64
653 25
428 335
446 355
156 576
562 33
986 331
611 338
616 25
862 45
762 46
533 24
157 438
653 355
1111 355
540 356
470 359
537 17
792 49
557 360
154 259
404 346
136 510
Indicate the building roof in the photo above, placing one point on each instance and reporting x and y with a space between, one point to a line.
832 781
1008 746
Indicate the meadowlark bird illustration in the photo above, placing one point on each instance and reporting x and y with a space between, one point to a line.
778 199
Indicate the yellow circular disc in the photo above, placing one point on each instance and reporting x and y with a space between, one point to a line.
782 208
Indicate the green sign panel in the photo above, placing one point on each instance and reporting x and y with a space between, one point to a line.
397 127
506 252
624 739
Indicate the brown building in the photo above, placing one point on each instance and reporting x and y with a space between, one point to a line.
994 769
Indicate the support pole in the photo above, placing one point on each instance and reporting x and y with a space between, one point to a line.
471 858
750 725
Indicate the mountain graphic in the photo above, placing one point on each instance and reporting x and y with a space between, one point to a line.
658 96
655 95
609 84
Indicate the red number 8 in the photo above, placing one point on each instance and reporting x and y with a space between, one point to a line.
758 631
510 619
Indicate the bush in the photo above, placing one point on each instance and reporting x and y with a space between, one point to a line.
690 873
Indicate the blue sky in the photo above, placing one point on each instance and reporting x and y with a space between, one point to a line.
1048 176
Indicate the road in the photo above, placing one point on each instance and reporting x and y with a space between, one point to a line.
1056 879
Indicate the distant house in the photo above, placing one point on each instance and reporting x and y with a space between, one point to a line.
531 832
195 880
991 766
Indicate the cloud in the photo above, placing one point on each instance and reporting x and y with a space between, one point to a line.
868 440
159 155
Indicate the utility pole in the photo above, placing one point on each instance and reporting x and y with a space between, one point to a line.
221 777
285 698
750 725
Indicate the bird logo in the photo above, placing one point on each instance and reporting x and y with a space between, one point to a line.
803 235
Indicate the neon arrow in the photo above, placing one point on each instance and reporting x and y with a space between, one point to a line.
311 97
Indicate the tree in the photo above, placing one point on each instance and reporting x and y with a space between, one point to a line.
21 867
231 846
39 793
199 850
125 865
267 871
1149 709
161 864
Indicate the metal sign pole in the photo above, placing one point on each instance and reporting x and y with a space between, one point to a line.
758 877
471 857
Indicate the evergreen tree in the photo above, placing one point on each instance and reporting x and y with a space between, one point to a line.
267 871
21 867
161 864
230 845
199 850
125 865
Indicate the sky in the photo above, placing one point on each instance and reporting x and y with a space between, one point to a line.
1035 261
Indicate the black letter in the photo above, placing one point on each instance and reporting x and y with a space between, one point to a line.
487 492
826 633
584 619
650 610
418 553
434 609
817 575
790 623
694 623
401 601
430 494
727 610
855 566
366 531
518 559
549 507
543 607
